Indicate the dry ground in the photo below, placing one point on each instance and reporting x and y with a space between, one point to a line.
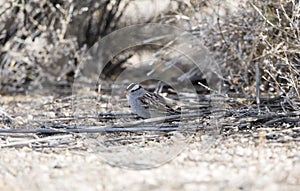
237 161
232 164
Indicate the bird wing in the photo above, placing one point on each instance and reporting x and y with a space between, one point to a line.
155 102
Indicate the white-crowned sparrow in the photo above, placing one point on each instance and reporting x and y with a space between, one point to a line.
147 104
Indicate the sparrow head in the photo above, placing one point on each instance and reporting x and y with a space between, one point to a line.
135 90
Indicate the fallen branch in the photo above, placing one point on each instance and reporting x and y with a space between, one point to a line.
27 142
96 129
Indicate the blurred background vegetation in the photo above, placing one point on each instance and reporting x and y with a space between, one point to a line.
256 43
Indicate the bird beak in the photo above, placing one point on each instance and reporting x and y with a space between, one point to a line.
126 94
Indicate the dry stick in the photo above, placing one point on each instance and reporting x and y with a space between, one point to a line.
109 114
268 119
93 129
268 21
262 15
20 143
120 127
257 86
154 39
283 120
219 26
6 115
154 120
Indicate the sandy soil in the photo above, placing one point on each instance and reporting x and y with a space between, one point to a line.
232 163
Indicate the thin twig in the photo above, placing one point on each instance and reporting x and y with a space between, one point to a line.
95 129
45 139
257 86
262 15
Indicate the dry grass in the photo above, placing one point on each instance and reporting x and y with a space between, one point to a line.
41 42
243 34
